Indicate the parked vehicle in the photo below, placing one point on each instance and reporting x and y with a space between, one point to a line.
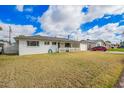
99 48
121 47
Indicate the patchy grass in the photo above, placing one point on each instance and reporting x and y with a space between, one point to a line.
86 69
117 49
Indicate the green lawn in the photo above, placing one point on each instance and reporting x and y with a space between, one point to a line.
117 49
83 69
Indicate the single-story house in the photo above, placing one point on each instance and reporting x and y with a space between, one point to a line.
44 44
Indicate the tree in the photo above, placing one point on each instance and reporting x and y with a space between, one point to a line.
122 43
1 28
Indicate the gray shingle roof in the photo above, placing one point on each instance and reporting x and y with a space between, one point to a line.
45 38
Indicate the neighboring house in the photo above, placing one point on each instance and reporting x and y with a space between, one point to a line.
44 44
115 45
108 44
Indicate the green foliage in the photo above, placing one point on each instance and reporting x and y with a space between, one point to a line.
117 49
1 28
122 43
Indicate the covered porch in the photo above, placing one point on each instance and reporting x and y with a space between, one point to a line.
68 47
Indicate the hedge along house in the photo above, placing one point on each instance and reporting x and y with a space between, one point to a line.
44 44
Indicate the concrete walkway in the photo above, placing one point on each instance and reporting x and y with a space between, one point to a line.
114 52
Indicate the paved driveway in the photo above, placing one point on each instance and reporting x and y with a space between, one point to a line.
114 52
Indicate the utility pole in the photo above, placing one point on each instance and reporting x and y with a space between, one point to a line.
10 31
123 34
68 37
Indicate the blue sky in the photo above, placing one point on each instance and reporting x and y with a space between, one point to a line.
9 14
30 15
103 21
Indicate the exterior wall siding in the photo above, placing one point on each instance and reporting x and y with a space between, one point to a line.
26 50
62 45
83 47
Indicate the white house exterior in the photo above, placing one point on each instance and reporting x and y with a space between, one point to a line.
24 49
42 44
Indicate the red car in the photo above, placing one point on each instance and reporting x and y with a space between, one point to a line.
99 48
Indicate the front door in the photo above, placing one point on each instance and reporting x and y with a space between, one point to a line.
67 45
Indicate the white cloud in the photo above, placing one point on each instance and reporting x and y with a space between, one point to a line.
16 30
99 11
30 9
61 20
31 18
65 20
20 8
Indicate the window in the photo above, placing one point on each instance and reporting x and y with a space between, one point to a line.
53 43
46 43
32 43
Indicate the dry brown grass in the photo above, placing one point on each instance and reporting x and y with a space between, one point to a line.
86 69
